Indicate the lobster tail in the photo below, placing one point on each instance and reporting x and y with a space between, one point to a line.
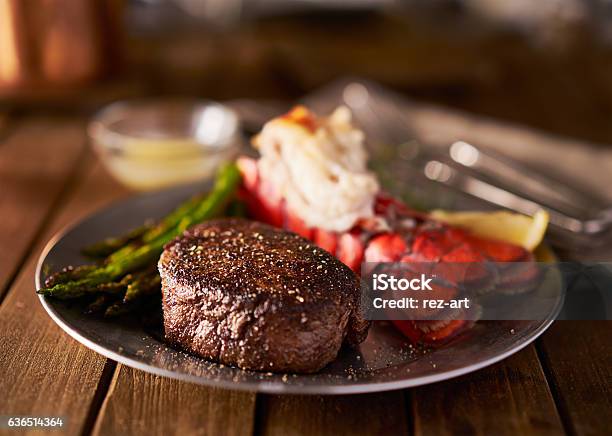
411 238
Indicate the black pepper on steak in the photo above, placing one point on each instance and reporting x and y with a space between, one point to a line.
244 293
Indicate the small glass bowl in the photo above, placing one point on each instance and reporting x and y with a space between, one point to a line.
152 143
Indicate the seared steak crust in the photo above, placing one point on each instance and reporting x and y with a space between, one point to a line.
244 293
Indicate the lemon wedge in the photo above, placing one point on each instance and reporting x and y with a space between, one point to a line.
517 229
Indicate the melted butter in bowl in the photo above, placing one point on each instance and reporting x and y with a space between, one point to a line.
151 144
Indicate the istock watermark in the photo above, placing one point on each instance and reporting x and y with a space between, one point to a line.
486 290
383 282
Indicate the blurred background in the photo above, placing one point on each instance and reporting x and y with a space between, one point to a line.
546 63
528 85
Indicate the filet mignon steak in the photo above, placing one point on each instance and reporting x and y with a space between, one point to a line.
244 293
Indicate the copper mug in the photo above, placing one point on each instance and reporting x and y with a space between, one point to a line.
57 42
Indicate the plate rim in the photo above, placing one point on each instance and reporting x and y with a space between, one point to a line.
260 386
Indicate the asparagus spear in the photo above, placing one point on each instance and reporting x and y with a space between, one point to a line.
162 227
147 283
105 248
67 274
174 218
101 303
115 288
134 257
120 297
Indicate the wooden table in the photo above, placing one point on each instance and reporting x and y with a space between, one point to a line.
49 178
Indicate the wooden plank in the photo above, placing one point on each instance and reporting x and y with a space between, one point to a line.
141 403
370 414
36 161
42 370
577 357
509 398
